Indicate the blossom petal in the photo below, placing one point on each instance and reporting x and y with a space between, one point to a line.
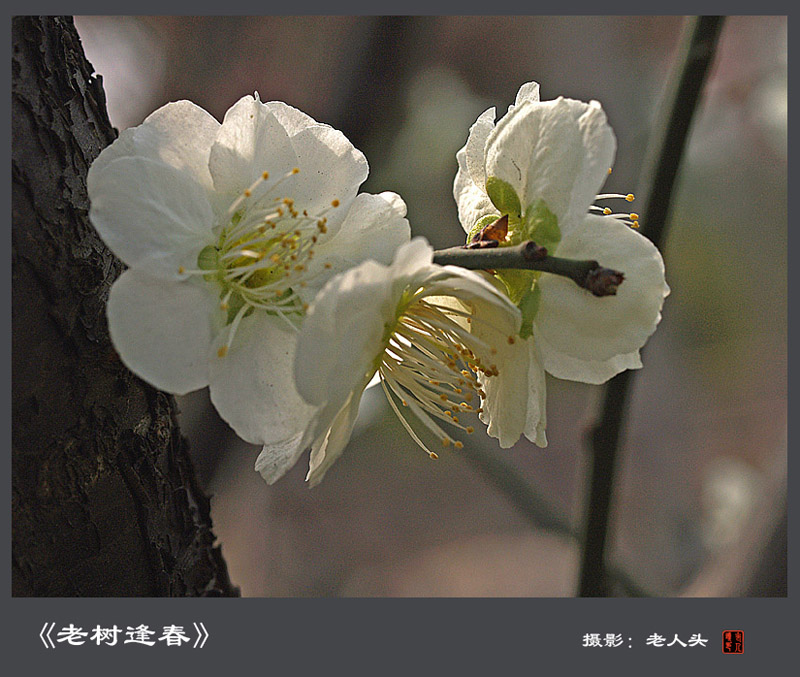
475 148
162 330
342 335
596 372
250 141
154 217
275 460
331 446
573 322
514 402
528 92
292 119
252 386
179 134
472 201
557 151
374 228
331 168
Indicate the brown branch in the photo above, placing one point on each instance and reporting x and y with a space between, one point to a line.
588 274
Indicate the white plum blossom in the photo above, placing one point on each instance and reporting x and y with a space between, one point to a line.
228 231
542 165
409 322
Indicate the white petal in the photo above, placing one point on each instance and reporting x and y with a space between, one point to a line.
528 92
179 134
250 141
473 202
558 151
292 119
411 261
331 168
331 446
596 372
475 148
162 330
470 285
512 404
275 460
252 386
342 335
152 216
573 322
374 228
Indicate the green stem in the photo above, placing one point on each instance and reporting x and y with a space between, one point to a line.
664 157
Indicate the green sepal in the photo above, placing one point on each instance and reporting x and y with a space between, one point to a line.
517 282
529 306
503 196
539 225
208 258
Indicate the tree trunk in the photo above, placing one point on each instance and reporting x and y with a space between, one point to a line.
104 496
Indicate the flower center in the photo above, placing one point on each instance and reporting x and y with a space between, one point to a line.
262 254
431 364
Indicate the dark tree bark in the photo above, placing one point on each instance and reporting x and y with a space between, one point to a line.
104 496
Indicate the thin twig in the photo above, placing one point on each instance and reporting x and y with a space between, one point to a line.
587 274
664 157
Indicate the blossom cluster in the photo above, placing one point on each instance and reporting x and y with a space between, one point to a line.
256 268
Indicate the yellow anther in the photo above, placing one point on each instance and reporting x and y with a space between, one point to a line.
629 197
181 270
445 441
606 211
296 170
335 203
223 306
299 267
248 192
443 397
470 430
609 170
265 175
511 340
222 352
433 455
455 419
634 216
329 265
448 413
635 224
458 444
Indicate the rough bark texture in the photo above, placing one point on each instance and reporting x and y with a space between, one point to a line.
104 496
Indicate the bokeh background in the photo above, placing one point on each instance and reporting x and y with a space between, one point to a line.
700 502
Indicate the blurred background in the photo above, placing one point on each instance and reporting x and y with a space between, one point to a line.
700 498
